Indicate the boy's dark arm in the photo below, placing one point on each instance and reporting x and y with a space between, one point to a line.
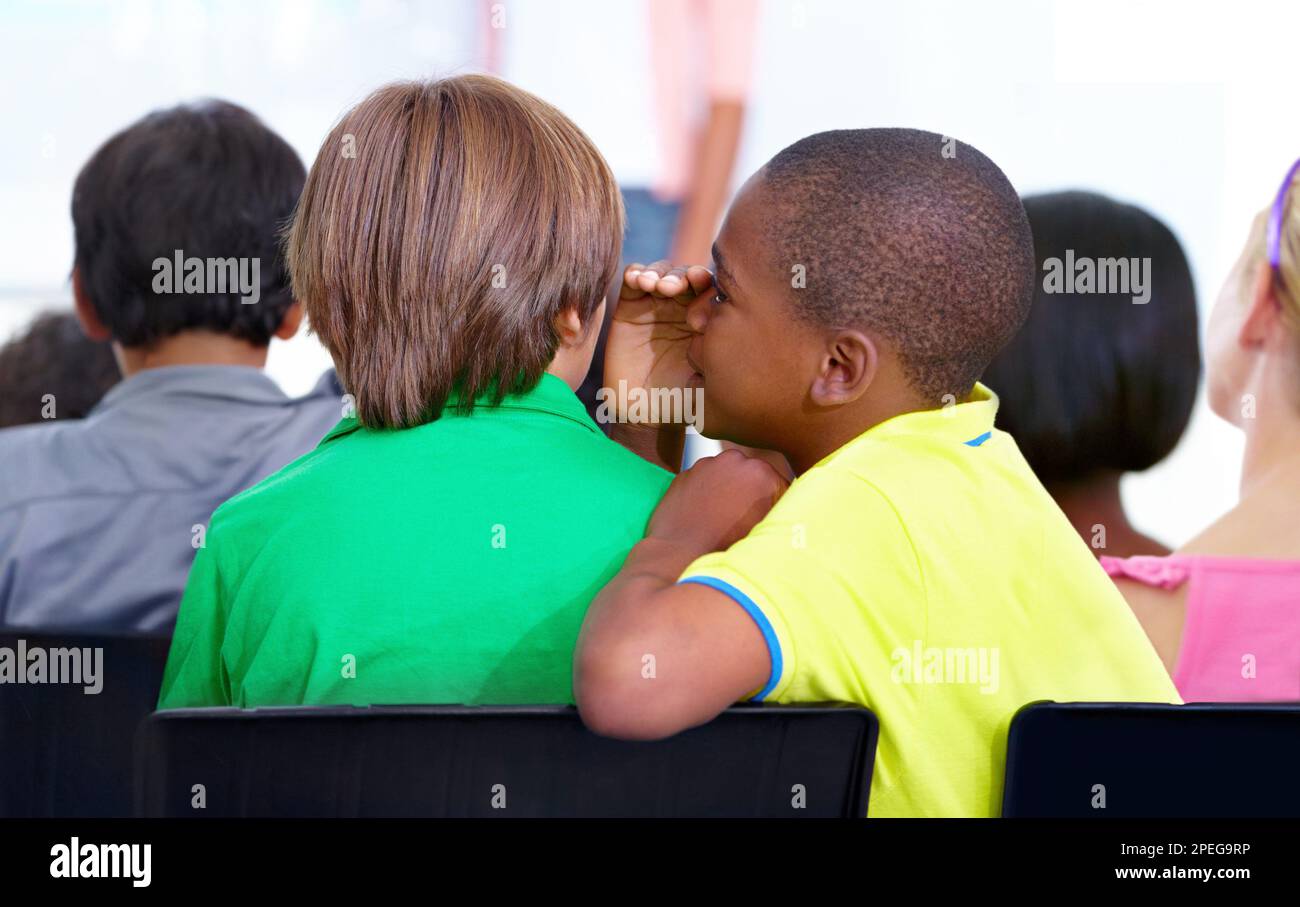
656 657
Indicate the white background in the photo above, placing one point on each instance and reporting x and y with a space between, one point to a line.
1188 108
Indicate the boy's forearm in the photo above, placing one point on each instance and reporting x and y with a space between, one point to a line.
660 560
623 610
652 566
661 445
622 625
645 618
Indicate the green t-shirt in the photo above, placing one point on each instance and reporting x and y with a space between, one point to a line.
449 563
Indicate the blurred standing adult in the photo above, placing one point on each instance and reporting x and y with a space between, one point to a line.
680 70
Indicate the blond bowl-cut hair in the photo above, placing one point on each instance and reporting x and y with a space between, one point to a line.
443 227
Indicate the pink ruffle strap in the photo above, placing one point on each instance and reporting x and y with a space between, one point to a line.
1161 572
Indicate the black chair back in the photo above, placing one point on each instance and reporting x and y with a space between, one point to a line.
65 750
1137 760
443 761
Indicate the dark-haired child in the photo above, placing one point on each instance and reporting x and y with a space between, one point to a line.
100 517
1095 386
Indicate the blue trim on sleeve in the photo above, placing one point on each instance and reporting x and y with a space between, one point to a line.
764 626
976 442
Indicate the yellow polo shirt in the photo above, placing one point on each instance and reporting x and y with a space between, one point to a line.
922 570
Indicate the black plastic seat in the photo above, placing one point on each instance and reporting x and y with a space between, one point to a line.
68 753
443 761
1153 761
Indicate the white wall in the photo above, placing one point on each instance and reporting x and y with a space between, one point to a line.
1182 106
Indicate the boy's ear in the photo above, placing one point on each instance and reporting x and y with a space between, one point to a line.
570 327
91 326
848 366
291 322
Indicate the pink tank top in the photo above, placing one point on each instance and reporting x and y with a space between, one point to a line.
1241 638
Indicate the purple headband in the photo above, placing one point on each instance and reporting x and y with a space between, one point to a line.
1275 219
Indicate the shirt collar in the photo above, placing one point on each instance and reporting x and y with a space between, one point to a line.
969 422
551 396
226 382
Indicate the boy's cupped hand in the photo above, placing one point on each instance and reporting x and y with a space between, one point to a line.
716 502
649 334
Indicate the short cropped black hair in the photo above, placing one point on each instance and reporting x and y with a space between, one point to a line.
1094 382
909 234
208 179
53 356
